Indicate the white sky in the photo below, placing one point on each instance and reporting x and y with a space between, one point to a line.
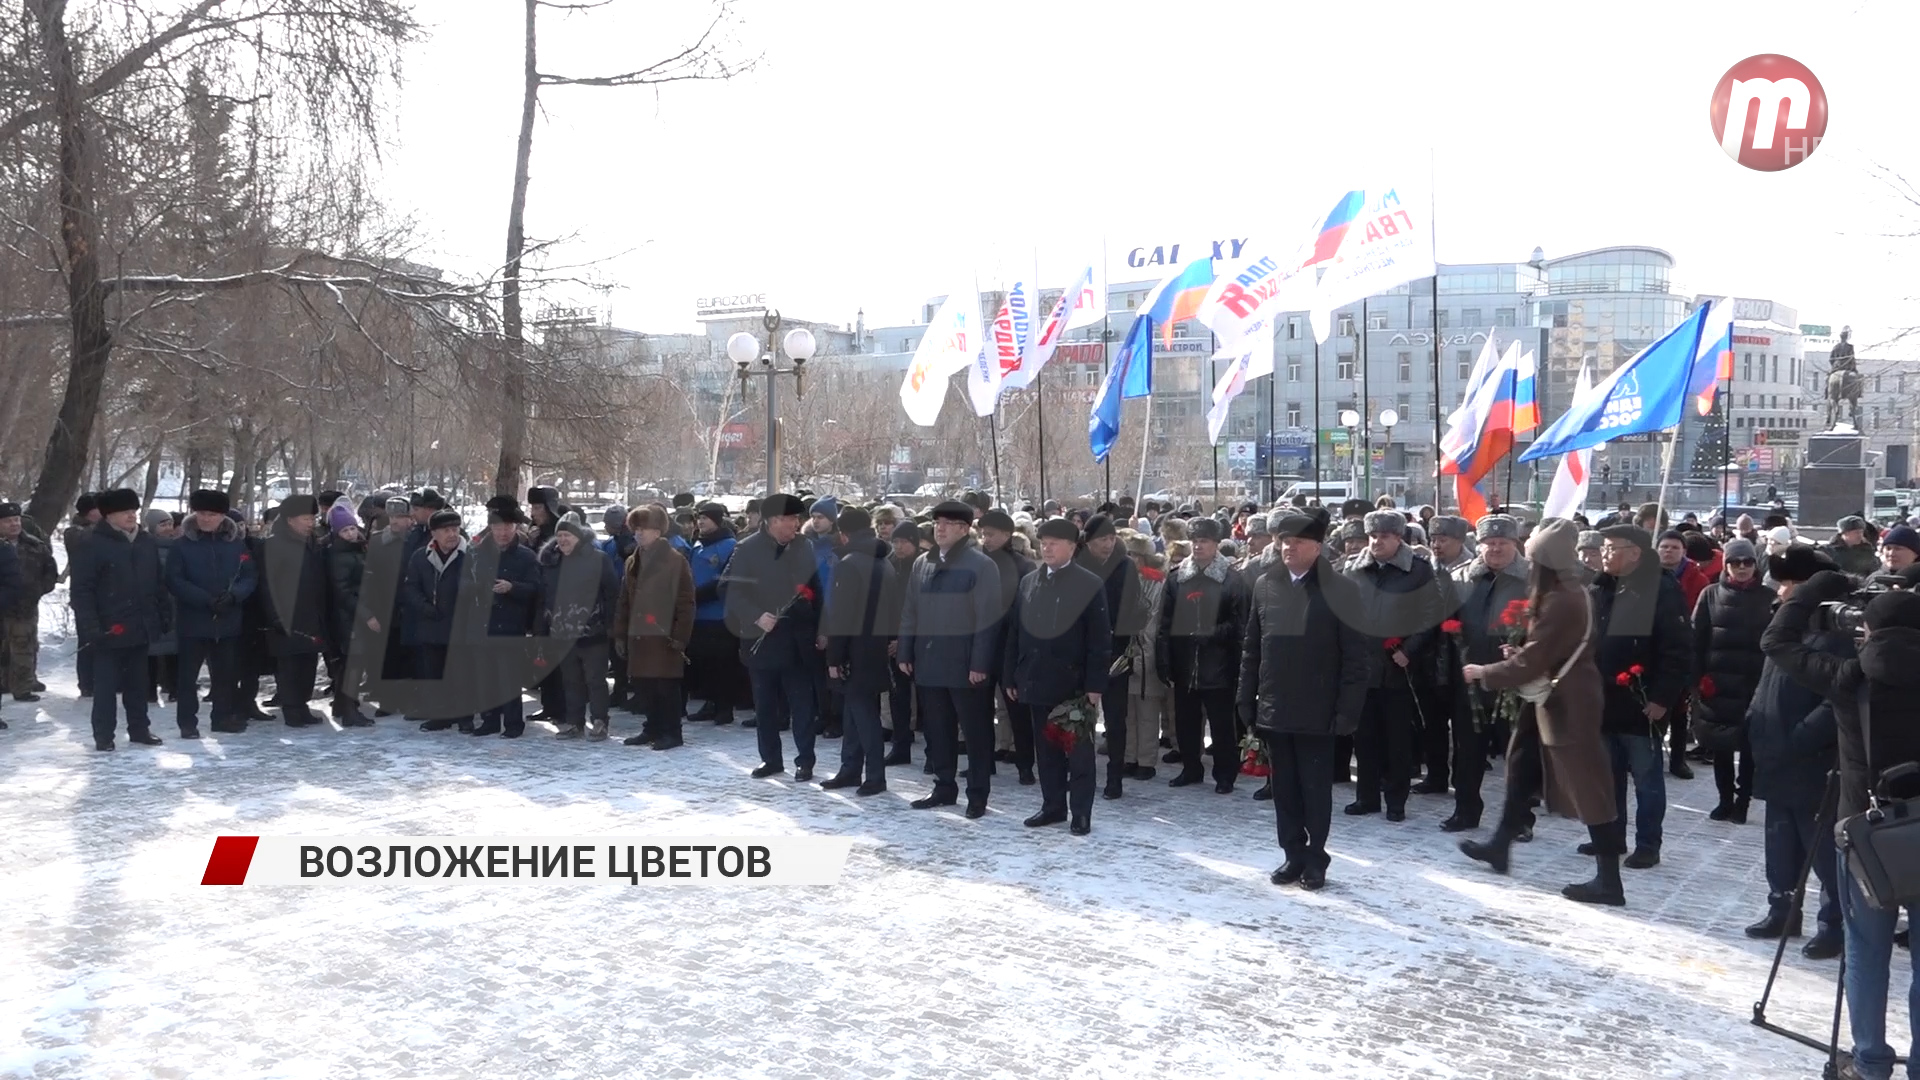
887 151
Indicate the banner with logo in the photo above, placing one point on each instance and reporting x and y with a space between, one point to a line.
1248 359
1388 242
1647 393
1072 303
1007 340
952 343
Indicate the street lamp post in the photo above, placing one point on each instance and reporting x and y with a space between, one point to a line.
1350 419
1388 418
743 348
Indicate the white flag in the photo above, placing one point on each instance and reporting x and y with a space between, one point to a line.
1251 290
1090 306
952 342
1006 347
1059 321
1570 480
1389 242
1248 359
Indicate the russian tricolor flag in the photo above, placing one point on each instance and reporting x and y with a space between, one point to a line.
1713 364
1334 231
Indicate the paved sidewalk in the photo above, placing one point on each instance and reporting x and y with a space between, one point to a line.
1154 947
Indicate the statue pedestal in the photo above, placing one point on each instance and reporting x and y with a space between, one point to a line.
1833 483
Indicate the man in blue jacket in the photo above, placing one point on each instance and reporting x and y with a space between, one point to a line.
713 655
430 596
210 575
120 605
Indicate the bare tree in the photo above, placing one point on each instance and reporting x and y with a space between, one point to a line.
704 59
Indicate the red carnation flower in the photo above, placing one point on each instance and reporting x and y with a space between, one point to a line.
803 592
1636 670
1707 689
1451 626
244 557
1622 679
651 621
116 629
539 661
1195 594
1393 643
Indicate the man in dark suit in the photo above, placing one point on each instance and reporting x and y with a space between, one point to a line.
772 595
294 582
863 615
1059 644
949 627
1303 680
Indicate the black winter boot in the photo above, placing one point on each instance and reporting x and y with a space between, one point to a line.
1781 919
1494 851
1604 888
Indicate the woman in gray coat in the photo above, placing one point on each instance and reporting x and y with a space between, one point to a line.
1556 749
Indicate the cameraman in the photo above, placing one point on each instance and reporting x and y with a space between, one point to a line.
1888 669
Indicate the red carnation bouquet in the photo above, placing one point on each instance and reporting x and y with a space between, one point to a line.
1707 688
1069 722
800 592
1513 627
1253 757
1632 679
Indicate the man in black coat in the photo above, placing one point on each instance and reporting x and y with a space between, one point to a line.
11 585
1728 620
120 604
949 625
1494 578
903 697
1303 680
294 581
1645 657
1876 705
772 591
1794 741
1197 651
20 619
499 590
1059 644
996 535
1404 607
862 621
1101 553
379 623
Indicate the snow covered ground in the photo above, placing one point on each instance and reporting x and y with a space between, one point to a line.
1154 947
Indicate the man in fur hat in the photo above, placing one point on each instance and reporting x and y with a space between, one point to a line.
1483 589
773 604
1058 647
210 575
1404 607
120 605
1303 680
294 586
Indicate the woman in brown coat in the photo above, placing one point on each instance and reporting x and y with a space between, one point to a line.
1556 749
651 626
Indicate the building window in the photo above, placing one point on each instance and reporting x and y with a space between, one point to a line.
1776 367
1746 400
1470 317
1440 319
1465 360
1345 329
1406 367
1433 409
1343 369
1293 414
907 346
1293 371
1133 301
1293 328
1503 316
1376 320
1746 367
1404 406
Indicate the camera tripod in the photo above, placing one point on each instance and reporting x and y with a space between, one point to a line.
1822 827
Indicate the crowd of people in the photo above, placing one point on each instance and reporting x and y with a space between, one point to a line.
1398 653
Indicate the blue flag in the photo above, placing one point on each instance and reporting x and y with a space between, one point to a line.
1135 359
1647 393
1103 425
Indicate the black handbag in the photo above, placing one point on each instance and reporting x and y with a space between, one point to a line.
1881 846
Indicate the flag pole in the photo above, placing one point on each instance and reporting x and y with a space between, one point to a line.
1146 440
1439 485
1040 398
1213 375
1726 435
1273 421
993 434
1316 412
1666 466
1366 404
1106 349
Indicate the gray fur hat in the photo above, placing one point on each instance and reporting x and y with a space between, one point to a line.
1257 525
1449 525
1499 527
1386 521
